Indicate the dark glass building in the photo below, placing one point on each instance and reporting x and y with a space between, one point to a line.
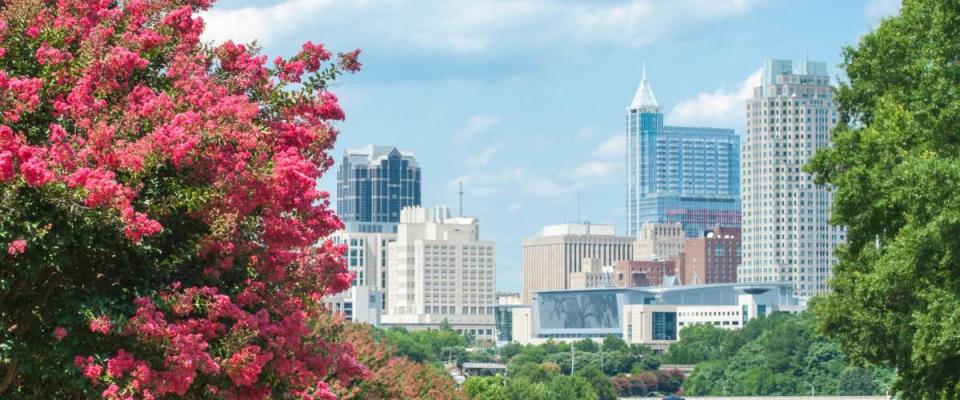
373 184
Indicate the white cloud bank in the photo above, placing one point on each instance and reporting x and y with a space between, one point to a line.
469 26
721 108
474 127
876 10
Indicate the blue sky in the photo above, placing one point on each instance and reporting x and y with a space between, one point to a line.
523 100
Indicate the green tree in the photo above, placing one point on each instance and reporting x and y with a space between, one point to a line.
484 388
699 343
564 387
895 164
602 385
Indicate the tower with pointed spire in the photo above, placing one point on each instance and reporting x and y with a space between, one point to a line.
689 175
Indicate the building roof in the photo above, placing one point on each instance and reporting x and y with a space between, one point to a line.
578 229
644 99
370 153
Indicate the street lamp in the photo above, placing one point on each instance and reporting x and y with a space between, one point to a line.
812 390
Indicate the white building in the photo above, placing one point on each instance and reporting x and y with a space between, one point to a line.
786 233
659 241
652 316
551 257
358 304
439 270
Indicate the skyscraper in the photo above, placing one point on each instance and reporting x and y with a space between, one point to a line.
439 270
786 234
373 184
679 174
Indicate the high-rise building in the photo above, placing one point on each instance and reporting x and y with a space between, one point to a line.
558 251
679 174
373 184
786 234
439 270
712 258
657 241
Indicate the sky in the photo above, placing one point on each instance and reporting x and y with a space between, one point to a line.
523 100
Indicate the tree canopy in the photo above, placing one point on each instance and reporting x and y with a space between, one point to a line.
895 164
159 211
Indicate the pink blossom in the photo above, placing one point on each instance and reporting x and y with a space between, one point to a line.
60 333
101 324
350 61
17 247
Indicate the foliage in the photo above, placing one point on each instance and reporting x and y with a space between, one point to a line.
159 211
895 164
392 375
644 383
776 355
602 386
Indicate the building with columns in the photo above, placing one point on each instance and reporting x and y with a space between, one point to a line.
557 251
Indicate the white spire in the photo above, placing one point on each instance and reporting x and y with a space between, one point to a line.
644 99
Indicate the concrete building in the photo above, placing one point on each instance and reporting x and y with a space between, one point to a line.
373 184
678 174
786 233
558 251
367 257
629 274
358 304
712 258
659 241
439 270
592 275
651 316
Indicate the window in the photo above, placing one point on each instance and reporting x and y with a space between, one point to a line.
664 326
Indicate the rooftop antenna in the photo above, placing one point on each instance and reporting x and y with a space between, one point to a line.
461 198
644 77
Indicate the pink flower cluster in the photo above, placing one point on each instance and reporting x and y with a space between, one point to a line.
132 92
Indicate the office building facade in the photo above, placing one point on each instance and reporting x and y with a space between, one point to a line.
373 184
786 233
558 251
439 270
678 174
659 241
712 258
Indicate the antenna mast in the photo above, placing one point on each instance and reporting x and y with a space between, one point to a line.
461 198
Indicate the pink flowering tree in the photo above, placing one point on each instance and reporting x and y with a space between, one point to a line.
160 230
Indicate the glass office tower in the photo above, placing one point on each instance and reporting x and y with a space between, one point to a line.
373 184
679 174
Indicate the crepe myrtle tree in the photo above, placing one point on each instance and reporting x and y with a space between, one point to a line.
159 217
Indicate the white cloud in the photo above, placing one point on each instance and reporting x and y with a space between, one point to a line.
468 26
545 186
598 169
515 206
612 148
263 24
641 22
482 158
876 10
475 126
720 108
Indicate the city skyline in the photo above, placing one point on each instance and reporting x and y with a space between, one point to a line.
483 109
